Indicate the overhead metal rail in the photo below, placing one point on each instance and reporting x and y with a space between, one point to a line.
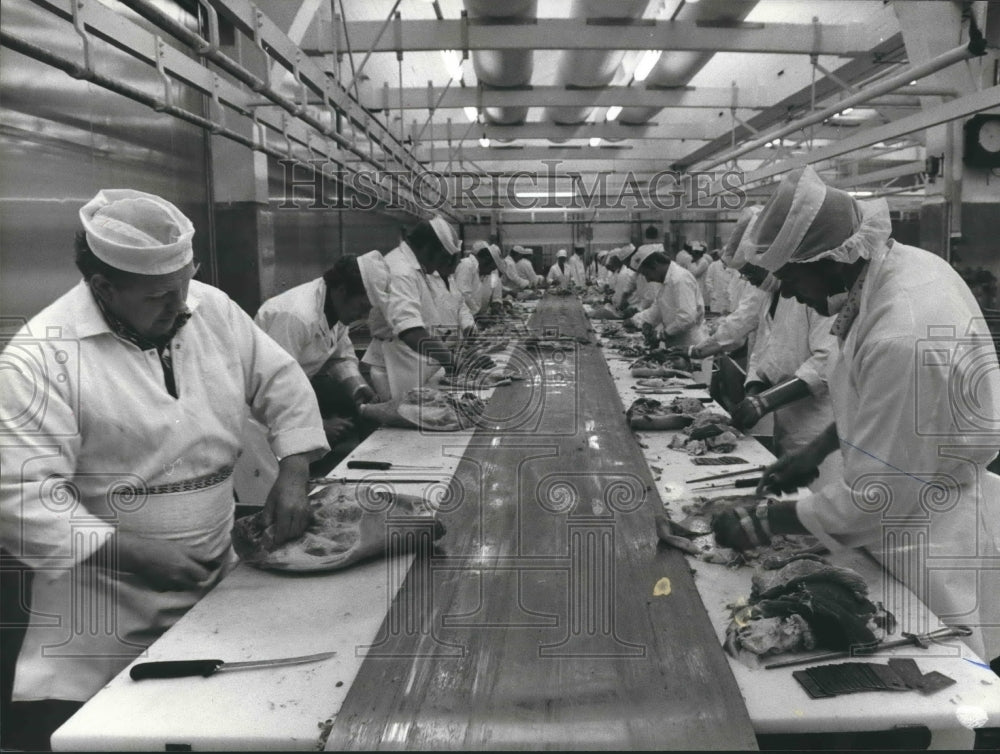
301 136
470 34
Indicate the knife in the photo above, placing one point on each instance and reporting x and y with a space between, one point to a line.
751 482
713 477
913 640
384 465
205 668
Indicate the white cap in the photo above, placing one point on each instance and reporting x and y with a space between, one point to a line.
561 254
446 234
602 255
495 253
137 232
479 246
642 253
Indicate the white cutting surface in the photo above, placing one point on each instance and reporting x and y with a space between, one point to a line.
775 701
256 614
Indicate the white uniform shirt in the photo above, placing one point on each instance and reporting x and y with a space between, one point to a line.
684 259
512 277
916 395
108 424
577 272
795 342
679 309
625 282
296 320
739 326
412 300
717 286
527 271
559 276
699 268
477 290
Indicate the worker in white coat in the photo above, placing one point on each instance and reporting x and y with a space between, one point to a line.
576 269
559 271
312 323
375 274
416 354
476 278
717 280
740 326
678 314
510 276
916 397
625 278
115 470
525 267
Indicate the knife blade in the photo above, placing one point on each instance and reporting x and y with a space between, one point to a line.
713 477
385 465
205 668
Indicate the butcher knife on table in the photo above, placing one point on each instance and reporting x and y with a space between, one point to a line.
183 668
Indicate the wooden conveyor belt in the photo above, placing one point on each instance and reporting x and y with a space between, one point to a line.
536 624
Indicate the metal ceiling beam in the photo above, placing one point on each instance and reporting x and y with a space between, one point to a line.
854 71
877 176
961 107
847 40
416 98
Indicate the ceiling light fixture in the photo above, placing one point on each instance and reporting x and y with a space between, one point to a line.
544 194
471 113
613 112
595 141
453 63
484 141
646 63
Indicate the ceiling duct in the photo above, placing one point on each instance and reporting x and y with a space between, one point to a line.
503 69
678 68
591 68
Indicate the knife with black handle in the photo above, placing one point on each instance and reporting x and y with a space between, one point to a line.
205 668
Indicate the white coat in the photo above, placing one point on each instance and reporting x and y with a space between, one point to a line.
98 455
717 287
512 276
577 272
916 396
527 271
558 275
796 342
624 283
679 310
741 325
412 303
375 274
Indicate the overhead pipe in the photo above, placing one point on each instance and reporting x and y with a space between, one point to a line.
975 48
592 68
677 68
503 68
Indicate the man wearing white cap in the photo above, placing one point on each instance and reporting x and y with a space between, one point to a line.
511 277
916 395
525 268
476 278
558 272
416 353
312 322
678 314
625 277
116 466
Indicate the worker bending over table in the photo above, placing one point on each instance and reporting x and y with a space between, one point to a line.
678 314
916 398
117 489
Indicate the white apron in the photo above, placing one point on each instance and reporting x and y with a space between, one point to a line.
97 622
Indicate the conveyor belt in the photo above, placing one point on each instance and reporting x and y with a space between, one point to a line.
538 625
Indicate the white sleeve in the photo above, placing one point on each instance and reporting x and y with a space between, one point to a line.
404 301
682 299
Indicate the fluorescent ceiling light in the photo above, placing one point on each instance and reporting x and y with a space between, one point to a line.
613 112
472 114
860 193
544 194
484 141
646 63
453 63
847 111
595 141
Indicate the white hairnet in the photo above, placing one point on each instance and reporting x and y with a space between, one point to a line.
806 221
137 232
739 237
642 253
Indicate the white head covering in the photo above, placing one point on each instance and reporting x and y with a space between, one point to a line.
561 254
740 237
137 232
602 255
446 234
495 253
479 245
642 253
374 275
518 249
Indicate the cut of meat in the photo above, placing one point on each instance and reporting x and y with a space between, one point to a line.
342 531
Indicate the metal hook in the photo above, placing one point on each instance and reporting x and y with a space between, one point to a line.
88 67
